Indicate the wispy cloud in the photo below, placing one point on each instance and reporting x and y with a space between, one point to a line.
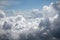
6 3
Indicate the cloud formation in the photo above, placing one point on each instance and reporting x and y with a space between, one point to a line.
2 15
56 23
45 27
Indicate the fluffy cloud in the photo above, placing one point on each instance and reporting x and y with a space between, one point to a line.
7 25
49 10
2 15
18 27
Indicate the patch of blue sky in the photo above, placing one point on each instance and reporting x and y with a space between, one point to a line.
28 4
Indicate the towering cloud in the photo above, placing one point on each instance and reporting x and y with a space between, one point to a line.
56 23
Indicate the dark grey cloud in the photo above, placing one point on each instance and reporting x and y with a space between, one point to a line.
7 25
54 32
4 37
1 16
56 23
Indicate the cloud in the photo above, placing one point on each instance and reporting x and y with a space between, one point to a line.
7 25
49 10
37 13
2 15
56 22
6 3
18 27
15 26
29 14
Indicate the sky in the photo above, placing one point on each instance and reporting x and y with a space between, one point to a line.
23 4
29 19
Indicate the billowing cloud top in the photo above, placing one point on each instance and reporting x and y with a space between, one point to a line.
33 25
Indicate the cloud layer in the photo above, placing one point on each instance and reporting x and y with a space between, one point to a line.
38 25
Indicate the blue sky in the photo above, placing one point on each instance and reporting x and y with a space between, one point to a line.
24 4
28 4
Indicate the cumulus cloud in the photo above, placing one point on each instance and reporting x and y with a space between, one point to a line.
2 15
49 10
56 22
7 25
18 27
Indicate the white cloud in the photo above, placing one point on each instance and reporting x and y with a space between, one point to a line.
2 15
49 10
